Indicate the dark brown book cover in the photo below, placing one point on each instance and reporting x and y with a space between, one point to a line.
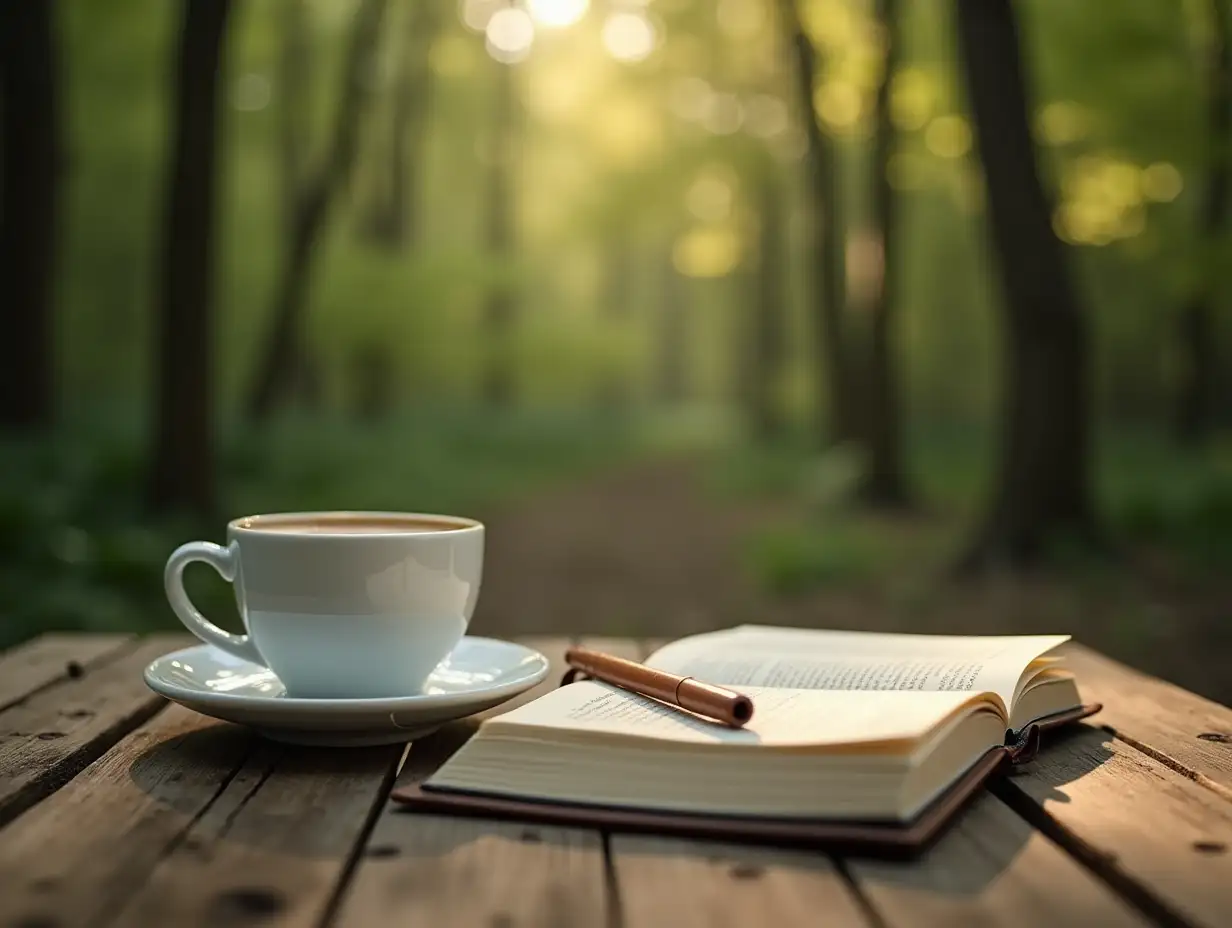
878 839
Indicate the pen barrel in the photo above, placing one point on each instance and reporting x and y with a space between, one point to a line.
733 708
714 702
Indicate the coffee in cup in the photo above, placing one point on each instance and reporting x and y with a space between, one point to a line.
341 604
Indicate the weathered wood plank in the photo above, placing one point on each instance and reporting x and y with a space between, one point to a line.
662 881
46 739
41 661
277 844
992 868
434 868
76 858
1161 840
430 869
1191 734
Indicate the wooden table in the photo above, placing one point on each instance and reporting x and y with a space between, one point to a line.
117 808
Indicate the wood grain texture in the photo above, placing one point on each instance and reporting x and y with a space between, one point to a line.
1163 841
1189 733
46 739
428 869
76 857
42 661
277 844
668 881
992 868
688 882
434 869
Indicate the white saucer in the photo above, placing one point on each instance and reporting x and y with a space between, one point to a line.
479 674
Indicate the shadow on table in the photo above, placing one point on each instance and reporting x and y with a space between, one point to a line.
209 773
987 839
982 843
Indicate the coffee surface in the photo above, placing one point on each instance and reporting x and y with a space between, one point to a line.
353 525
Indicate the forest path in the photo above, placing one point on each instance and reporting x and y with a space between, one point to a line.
641 552
648 551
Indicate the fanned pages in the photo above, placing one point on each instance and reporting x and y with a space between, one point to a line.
847 726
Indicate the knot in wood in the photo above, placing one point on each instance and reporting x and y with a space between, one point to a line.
746 871
1219 737
248 902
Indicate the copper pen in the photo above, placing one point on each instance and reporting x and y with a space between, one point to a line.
706 699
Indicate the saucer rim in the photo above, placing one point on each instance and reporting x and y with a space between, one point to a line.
183 695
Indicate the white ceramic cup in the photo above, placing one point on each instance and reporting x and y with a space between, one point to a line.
335 610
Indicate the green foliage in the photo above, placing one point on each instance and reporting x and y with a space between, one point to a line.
802 558
1155 499
78 552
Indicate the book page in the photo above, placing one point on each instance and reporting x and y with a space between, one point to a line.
767 656
781 717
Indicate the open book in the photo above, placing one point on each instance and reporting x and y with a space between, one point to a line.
847 727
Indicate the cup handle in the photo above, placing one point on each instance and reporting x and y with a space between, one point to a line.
222 560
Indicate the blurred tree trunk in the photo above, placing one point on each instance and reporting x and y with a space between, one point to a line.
293 79
670 373
1196 398
31 155
619 269
393 217
767 331
827 233
183 465
501 306
1042 492
282 353
372 377
293 82
884 483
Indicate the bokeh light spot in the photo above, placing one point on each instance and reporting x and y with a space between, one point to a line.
741 19
710 197
707 252
557 13
912 96
252 93
477 13
839 104
629 36
948 137
509 35
1162 182
1062 122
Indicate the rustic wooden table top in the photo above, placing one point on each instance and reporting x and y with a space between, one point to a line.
117 808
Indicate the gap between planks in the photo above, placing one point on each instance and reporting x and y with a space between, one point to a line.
433 868
43 661
1187 732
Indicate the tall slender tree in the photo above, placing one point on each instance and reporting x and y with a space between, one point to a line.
884 483
1195 401
615 304
1042 487
671 362
30 160
294 76
766 332
183 466
500 307
282 350
392 215
839 419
